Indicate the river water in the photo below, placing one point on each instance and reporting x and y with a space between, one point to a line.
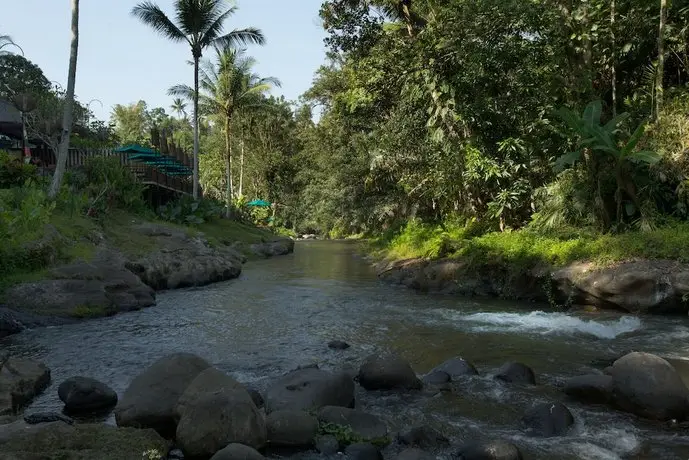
282 312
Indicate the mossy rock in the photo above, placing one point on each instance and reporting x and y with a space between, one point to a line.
60 441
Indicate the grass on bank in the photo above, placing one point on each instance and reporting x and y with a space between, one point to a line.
527 247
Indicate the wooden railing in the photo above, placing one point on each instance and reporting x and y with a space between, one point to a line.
146 174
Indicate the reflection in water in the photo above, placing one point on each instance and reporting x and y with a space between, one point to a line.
282 312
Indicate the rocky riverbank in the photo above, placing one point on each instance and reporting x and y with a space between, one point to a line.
112 280
640 287
183 407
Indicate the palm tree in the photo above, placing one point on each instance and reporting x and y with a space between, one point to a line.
179 106
200 25
67 115
227 87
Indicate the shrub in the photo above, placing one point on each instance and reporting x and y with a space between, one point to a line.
186 210
14 172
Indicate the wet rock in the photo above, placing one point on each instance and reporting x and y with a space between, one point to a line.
273 248
423 436
490 450
590 388
387 372
363 451
415 454
98 288
237 452
47 417
307 389
81 442
516 373
208 381
291 429
650 387
151 399
338 345
457 367
210 421
20 381
366 427
436 378
175 454
84 394
327 445
15 321
256 397
183 261
548 420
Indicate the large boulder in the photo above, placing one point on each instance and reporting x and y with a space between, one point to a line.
237 452
366 427
650 387
548 420
211 421
97 288
291 429
516 373
309 388
363 451
594 388
387 372
182 260
437 378
327 444
457 367
423 436
208 381
273 248
152 397
20 381
84 394
489 450
81 442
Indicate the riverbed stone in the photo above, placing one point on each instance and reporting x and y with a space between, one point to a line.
209 380
291 429
364 426
650 387
327 445
457 367
80 442
488 450
151 399
308 389
516 373
387 371
423 436
363 451
593 388
236 451
548 420
273 248
21 380
437 378
84 394
210 421
256 396
415 454
338 345
47 417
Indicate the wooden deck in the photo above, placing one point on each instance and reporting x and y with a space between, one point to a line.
148 175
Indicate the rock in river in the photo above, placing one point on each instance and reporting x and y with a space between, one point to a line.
309 388
84 394
152 397
20 381
415 454
238 452
207 381
650 387
516 373
423 436
548 419
363 451
387 372
365 427
590 388
457 367
291 429
490 450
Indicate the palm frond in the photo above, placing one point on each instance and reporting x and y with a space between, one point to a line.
150 14
184 91
241 38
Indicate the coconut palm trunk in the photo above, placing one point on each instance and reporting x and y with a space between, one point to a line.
195 189
63 147
241 165
228 169
661 57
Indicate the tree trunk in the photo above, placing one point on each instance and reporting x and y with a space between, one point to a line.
241 166
406 11
228 169
196 128
661 57
613 12
63 147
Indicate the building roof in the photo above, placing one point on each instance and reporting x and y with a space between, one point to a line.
10 120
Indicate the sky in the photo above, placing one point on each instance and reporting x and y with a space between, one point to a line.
122 61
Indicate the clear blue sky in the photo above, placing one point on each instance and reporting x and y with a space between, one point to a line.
122 61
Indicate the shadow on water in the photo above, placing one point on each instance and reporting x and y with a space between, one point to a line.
282 312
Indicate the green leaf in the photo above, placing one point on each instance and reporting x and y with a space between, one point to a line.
630 209
567 160
592 114
627 47
634 139
645 156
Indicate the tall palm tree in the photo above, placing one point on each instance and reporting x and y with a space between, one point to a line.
179 106
228 86
68 114
199 23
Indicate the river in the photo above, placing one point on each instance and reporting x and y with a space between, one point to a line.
282 312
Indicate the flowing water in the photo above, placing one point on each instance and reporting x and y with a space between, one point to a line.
282 312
